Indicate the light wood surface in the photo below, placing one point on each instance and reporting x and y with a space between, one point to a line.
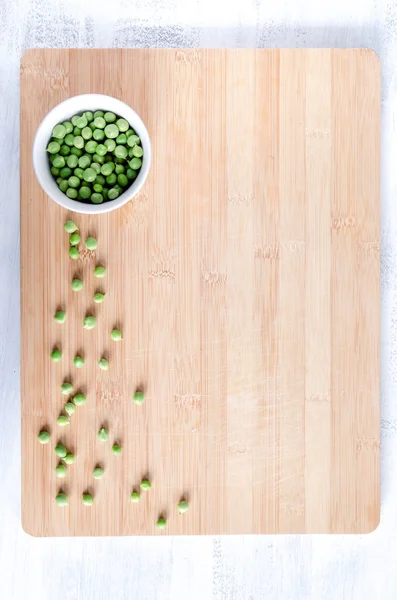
245 278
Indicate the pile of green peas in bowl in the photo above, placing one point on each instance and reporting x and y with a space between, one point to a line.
95 156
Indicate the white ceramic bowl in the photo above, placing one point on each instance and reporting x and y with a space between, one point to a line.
63 112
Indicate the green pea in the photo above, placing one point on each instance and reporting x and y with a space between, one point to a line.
111 131
78 142
90 147
107 168
113 193
89 116
66 388
98 113
74 120
97 198
121 152
135 163
79 399
98 159
122 124
129 132
53 147
91 243
135 496
116 336
62 421
62 500
59 131
131 173
87 499
145 485
103 435
60 316
92 126
183 506
100 123
133 140
97 188
68 126
79 173
77 132
60 450
76 284
70 408
89 322
69 139
78 362
63 186
74 239
161 523
137 151
119 169
96 167
84 161
103 364
116 449
85 192
69 459
72 161
105 193
139 397
97 473
65 173
58 179
58 161
71 193
99 135
82 122
43 437
109 117
60 471
98 297
101 149
110 144
89 175
99 272
64 150
56 355
122 179
73 252
111 179
76 151
121 139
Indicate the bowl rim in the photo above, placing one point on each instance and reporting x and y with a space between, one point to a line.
57 114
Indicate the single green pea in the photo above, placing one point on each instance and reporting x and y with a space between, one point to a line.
99 297
92 126
90 147
161 523
53 147
121 152
110 144
133 140
76 285
121 139
69 139
97 188
58 161
111 131
131 173
60 450
129 132
60 316
139 397
60 471
105 193
64 150
107 168
103 364
77 132
122 124
43 437
78 142
63 421
98 159
61 499
79 173
100 179
113 193
103 435
116 336
119 169
183 506
74 120
116 449
89 116
82 122
109 117
84 161
68 459
71 193
98 113
135 496
101 150
96 167
99 272
111 179
91 243
145 485
85 192
63 186
98 135
56 355
58 179
68 126
75 237
77 151
70 408
72 162
89 322
78 362
79 399
59 131
97 473
100 123
122 179
137 151
135 163
65 172
66 388
97 198
87 499
74 253
89 175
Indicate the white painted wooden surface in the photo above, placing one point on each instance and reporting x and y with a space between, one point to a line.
232 568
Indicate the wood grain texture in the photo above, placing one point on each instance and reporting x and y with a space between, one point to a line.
245 278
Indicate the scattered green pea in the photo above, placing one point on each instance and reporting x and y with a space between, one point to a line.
43 437
116 449
77 285
183 506
135 496
99 272
60 471
89 322
62 421
103 435
56 355
98 297
60 316
103 364
138 397
161 523
70 408
116 336
62 499
145 485
79 399
98 473
60 450
75 237
69 459
66 388
74 253
78 361
87 499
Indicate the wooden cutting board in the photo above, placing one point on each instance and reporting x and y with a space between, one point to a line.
245 279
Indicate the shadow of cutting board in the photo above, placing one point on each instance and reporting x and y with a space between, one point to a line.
245 278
